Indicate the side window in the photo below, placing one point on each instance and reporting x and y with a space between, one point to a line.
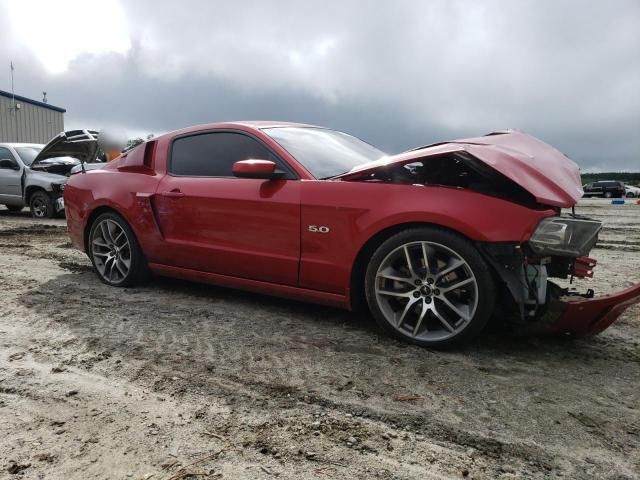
5 153
213 154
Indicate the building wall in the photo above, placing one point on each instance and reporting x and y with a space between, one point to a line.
30 124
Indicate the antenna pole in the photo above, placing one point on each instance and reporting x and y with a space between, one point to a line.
13 95
13 101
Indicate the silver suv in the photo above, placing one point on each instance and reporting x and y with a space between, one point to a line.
34 175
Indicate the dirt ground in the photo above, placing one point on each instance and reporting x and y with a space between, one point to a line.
179 380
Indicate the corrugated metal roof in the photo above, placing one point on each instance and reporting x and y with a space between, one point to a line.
20 98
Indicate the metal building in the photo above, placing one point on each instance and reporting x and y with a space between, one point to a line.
29 121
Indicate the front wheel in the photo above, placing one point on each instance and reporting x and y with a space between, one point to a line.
115 253
608 195
41 205
429 286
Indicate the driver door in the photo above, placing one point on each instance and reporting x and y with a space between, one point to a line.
215 222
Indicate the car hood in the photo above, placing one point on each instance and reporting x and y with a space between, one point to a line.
546 173
66 150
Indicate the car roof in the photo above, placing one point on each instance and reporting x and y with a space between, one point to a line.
254 124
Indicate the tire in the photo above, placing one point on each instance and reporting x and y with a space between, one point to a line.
41 205
115 252
448 301
14 208
608 195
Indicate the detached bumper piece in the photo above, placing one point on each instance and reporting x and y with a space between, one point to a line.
582 316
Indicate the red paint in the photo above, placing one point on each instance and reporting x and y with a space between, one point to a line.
231 226
356 211
254 233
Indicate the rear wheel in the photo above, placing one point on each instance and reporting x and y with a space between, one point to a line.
41 205
115 253
430 287
608 195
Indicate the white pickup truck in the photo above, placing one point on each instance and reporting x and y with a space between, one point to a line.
34 175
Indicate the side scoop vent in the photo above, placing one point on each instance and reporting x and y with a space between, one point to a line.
149 150
139 159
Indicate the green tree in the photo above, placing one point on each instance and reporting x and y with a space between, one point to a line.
134 142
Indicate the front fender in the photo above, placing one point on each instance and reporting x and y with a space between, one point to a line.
357 212
42 180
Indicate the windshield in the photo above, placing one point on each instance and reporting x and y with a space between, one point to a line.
324 153
27 154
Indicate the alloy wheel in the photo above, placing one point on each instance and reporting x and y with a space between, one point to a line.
111 250
426 291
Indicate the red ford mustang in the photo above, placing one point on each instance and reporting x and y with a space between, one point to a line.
432 241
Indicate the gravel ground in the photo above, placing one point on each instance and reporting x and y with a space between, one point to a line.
178 380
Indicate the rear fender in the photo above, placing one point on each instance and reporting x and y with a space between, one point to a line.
95 191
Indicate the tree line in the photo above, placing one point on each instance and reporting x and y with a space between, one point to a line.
626 177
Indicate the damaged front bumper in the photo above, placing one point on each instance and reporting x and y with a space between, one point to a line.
581 316
537 305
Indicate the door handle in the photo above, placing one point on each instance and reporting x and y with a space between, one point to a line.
175 193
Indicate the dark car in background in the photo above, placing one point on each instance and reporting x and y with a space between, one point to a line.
604 188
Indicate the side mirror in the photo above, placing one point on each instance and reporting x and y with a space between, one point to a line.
265 169
7 163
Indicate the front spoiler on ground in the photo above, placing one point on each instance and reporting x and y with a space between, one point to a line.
587 316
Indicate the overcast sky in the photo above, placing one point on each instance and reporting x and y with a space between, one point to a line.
395 73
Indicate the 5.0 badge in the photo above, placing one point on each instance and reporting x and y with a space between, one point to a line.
318 229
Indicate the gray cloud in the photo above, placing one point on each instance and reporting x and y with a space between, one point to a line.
398 75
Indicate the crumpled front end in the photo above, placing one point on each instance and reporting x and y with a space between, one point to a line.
558 248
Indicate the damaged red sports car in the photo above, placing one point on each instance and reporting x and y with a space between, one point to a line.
433 241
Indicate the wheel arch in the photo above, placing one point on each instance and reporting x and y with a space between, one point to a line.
356 283
30 190
95 213
139 271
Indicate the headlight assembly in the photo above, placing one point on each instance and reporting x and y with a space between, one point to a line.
565 236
